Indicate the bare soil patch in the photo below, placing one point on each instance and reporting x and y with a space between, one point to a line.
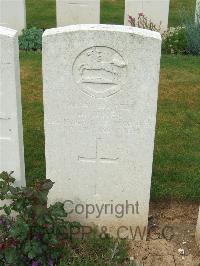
171 237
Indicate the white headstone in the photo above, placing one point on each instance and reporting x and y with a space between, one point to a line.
198 230
71 12
13 14
155 10
11 132
197 12
100 101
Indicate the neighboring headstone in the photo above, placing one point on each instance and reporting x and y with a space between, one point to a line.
198 230
155 10
11 131
71 12
100 101
13 14
197 12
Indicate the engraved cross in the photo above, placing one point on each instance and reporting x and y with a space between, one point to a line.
98 158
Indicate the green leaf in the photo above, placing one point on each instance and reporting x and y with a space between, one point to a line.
10 255
33 249
19 230
7 209
58 210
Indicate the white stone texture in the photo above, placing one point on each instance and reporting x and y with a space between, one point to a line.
71 12
156 10
100 102
11 131
13 14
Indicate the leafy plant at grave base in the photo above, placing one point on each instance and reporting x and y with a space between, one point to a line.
143 22
31 39
39 235
174 41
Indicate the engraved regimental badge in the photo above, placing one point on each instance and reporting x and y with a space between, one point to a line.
99 71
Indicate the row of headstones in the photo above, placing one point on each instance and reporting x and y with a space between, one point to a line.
88 12
100 116
71 12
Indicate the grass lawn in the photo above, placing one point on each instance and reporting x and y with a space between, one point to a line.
176 6
31 81
42 13
177 156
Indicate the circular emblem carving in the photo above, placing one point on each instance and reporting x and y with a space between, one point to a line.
99 71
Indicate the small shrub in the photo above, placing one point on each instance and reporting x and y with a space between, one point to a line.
175 41
184 39
143 22
31 39
193 35
39 235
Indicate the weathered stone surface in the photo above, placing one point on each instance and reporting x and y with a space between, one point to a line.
13 14
71 12
156 10
100 101
11 132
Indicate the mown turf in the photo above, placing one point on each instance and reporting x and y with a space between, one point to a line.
112 11
177 155
41 13
178 10
31 81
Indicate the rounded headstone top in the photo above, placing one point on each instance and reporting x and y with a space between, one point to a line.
103 27
7 32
